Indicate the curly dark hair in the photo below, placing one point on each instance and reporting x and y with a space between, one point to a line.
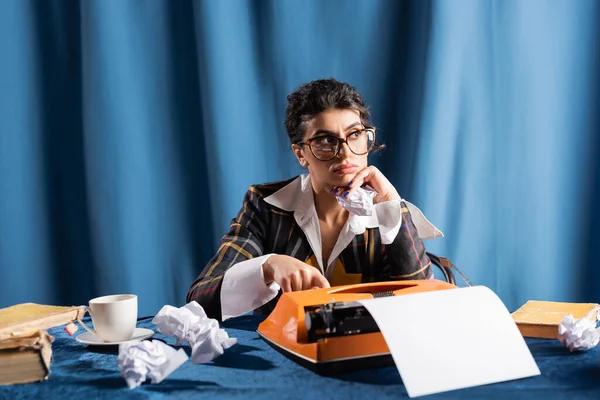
314 97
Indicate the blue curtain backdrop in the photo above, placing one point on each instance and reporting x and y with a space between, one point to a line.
130 131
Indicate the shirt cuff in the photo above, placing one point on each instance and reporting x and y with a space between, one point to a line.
244 289
425 228
389 217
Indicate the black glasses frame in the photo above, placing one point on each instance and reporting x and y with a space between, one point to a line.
339 144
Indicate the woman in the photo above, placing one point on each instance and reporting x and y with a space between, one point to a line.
293 235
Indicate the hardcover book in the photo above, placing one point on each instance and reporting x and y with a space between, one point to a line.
26 358
540 319
30 317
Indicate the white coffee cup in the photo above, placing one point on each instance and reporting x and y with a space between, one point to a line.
114 317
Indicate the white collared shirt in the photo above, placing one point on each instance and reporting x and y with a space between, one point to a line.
244 288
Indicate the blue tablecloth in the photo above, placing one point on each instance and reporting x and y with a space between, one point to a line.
252 369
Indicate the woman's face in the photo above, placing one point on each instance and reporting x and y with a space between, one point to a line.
339 171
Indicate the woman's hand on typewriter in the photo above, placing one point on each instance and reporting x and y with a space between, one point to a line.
292 274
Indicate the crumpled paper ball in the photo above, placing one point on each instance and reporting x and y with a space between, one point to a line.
139 360
360 203
578 335
191 324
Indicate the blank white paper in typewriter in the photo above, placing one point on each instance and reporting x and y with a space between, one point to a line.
452 339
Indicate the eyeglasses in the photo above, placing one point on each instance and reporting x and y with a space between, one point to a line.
327 147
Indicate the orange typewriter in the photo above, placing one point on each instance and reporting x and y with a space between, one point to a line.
329 331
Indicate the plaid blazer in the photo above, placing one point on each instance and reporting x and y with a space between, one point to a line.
261 228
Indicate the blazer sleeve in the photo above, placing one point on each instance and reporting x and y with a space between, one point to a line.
405 257
244 241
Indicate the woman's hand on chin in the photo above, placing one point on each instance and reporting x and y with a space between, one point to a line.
372 177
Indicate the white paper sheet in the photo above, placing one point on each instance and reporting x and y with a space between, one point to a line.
451 339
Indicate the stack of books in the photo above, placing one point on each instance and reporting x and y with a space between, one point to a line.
25 345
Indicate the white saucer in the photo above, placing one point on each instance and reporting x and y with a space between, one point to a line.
91 339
